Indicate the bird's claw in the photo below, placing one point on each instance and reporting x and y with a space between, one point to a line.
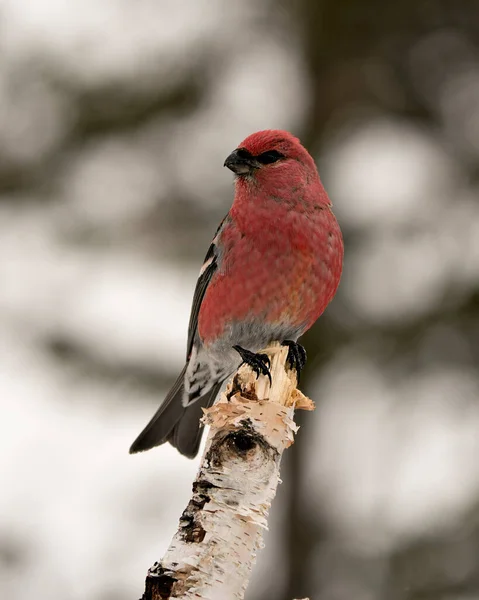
260 363
296 356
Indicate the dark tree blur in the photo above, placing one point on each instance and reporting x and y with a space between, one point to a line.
115 119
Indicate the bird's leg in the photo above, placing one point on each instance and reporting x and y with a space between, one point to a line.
296 356
260 363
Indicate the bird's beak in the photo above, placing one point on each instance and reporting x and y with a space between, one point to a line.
240 164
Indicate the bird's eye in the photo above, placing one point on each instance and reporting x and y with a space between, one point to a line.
244 154
268 157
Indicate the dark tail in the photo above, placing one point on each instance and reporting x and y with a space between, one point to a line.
176 424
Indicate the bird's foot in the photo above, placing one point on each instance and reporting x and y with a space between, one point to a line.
296 356
260 363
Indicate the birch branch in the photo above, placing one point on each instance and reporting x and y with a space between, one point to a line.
221 529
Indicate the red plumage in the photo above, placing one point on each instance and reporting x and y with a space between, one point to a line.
271 270
283 249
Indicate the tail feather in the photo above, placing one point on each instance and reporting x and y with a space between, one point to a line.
174 423
187 433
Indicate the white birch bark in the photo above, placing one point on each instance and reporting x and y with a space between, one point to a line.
221 530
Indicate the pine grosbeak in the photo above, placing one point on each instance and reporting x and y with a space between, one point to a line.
272 268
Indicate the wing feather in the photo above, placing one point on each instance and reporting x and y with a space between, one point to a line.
209 268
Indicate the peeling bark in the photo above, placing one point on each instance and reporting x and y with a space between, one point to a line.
221 529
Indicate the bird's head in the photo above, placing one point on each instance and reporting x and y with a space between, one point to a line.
269 151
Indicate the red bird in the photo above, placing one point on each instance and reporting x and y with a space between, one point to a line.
271 270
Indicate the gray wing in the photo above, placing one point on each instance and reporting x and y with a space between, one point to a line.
209 268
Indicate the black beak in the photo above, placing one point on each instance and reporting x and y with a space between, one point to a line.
241 162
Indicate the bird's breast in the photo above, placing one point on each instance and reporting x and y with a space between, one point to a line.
278 268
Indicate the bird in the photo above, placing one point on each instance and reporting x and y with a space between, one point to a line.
273 266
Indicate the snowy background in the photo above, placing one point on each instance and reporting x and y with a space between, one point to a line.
115 119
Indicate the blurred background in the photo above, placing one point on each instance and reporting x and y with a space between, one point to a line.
115 119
